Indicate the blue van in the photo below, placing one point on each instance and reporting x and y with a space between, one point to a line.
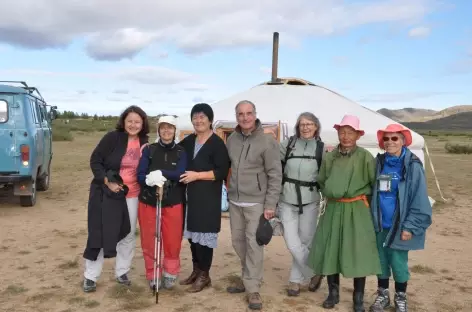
25 140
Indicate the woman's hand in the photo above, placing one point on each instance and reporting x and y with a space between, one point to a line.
189 176
406 235
114 187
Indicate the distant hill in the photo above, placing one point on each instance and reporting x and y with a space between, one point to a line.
422 115
406 114
460 121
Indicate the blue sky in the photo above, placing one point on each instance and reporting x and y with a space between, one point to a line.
100 58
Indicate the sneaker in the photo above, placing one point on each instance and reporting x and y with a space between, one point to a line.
400 302
168 281
236 287
123 279
255 301
315 283
382 301
89 285
293 289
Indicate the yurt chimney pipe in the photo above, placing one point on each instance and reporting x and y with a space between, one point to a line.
275 57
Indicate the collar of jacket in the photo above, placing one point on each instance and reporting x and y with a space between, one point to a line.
170 145
256 131
338 153
124 136
408 159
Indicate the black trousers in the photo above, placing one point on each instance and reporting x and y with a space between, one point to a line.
202 256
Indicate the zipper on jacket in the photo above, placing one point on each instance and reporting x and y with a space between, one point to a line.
247 151
165 157
239 162
396 222
379 210
258 183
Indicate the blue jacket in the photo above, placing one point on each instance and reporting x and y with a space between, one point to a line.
413 212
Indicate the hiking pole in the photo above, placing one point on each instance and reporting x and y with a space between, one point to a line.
157 244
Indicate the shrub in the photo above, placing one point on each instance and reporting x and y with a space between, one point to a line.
458 148
62 135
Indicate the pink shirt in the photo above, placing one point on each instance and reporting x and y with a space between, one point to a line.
129 166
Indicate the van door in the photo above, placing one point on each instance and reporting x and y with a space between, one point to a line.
39 136
8 160
47 140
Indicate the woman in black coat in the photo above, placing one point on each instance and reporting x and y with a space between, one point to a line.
113 198
208 165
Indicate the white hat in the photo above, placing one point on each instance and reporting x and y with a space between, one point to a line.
167 119
170 120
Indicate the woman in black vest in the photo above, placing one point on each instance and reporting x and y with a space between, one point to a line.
169 158
208 165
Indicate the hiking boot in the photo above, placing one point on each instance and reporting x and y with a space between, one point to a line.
315 283
293 289
168 281
89 285
236 287
358 301
193 276
203 280
400 302
333 295
255 301
382 301
123 280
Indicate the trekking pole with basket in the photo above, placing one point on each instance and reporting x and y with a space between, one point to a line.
157 244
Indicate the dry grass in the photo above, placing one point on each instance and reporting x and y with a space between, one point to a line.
70 264
422 269
53 279
14 290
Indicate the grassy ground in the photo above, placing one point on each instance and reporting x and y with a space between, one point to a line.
41 251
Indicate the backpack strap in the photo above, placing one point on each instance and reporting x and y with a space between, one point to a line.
319 153
291 143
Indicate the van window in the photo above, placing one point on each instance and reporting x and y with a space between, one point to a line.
3 111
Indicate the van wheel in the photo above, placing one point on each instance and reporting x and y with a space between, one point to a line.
43 182
30 200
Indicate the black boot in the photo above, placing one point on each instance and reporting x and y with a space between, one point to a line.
333 296
358 294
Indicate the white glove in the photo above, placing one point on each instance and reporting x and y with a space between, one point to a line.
155 178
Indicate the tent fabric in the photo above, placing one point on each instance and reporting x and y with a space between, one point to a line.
284 103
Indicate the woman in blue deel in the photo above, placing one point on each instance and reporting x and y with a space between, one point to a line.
401 213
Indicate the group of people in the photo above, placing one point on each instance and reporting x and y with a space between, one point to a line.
341 212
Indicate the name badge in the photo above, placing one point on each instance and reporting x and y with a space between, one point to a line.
385 182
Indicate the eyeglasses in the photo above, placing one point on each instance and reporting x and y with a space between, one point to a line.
394 139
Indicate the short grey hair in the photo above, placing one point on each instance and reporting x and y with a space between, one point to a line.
245 102
311 117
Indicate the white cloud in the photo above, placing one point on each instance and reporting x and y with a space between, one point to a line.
154 75
142 74
117 45
119 29
419 32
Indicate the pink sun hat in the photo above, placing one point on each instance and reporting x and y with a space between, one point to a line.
351 121
394 128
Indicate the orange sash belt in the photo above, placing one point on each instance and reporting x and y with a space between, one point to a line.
353 199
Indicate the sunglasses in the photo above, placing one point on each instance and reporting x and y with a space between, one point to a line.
394 139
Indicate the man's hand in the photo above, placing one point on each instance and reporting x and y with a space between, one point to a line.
269 213
406 235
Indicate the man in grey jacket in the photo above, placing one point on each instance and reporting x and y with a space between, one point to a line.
254 189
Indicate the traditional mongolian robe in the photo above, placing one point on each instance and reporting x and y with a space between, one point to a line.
345 239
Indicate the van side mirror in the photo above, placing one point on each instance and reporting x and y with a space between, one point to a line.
53 114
